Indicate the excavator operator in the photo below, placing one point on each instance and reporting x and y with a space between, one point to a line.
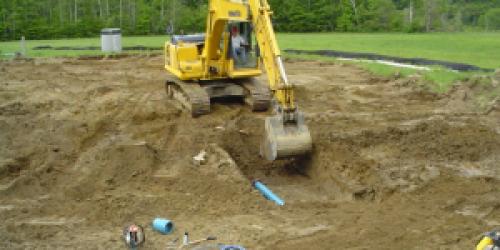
238 44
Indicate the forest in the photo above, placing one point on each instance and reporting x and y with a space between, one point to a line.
50 19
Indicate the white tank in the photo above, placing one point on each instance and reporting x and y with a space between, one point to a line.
111 40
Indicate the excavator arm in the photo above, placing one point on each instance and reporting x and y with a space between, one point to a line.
286 132
271 54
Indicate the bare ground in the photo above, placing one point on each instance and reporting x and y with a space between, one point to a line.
90 145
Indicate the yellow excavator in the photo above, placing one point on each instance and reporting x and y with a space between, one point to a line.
224 63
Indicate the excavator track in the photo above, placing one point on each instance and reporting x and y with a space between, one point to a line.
258 96
192 96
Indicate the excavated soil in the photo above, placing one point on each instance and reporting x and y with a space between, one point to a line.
88 146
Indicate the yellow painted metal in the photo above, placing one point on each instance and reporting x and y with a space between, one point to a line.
270 53
220 12
209 61
244 73
187 69
485 242
258 12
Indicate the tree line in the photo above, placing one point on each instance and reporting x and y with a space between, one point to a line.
46 19
387 15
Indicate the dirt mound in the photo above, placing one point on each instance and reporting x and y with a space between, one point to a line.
479 93
375 159
90 145
434 140
112 162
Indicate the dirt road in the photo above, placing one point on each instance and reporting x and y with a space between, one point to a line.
90 145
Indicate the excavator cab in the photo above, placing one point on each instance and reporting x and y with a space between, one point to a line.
243 49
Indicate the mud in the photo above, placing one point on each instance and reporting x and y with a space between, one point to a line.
88 146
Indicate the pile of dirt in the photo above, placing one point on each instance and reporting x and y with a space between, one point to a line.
479 93
90 145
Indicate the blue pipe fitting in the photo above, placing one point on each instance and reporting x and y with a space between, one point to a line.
231 247
266 192
163 226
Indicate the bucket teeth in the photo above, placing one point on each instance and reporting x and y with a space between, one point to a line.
285 140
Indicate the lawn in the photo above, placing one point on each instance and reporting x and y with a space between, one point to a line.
480 49
11 47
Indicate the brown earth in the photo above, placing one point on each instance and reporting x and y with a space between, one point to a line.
90 145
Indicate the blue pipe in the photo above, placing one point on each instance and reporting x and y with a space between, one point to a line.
268 193
163 226
231 247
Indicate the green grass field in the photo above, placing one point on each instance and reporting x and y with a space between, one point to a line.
480 49
11 47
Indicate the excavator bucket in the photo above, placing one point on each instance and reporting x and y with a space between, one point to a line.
282 140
